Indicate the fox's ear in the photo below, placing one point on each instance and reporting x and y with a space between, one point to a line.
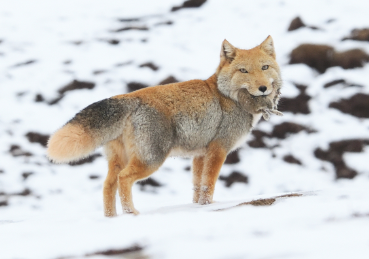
268 46
228 51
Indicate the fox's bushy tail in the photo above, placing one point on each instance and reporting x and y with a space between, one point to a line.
91 128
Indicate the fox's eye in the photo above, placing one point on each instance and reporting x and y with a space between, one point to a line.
265 67
243 70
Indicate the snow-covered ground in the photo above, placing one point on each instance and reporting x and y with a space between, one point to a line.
55 211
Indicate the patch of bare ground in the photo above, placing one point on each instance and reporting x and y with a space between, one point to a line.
168 80
234 177
358 34
232 158
298 104
35 137
134 86
266 201
335 152
321 57
297 23
74 85
86 160
134 251
357 105
189 4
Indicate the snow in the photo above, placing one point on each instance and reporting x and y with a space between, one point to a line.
63 216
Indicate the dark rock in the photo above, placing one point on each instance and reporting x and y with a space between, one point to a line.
129 19
98 72
148 182
340 81
123 64
168 80
187 168
335 152
234 177
299 104
133 86
56 100
296 24
35 137
123 251
132 28
164 23
25 192
39 98
257 141
67 62
77 42
76 85
16 150
232 158
3 203
321 57
28 62
113 41
358 34
291 159
25 175
350 59
284 129
1 171
357 105
86 160
189 4
315 56
94 176
150 65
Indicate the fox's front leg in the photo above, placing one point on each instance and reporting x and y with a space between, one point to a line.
213 161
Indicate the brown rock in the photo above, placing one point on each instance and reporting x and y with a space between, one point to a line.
234 177
169 80
335 152
292 160
35 137
189 4
296 24
232 158
133 86
321 57
298 104
358 34
357 105
284 129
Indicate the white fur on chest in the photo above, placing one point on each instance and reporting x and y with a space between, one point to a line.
242 139
179 152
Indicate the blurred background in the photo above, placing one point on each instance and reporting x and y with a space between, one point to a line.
57 57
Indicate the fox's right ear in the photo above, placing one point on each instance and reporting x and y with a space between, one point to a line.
227 52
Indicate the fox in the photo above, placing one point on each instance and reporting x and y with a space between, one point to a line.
201 119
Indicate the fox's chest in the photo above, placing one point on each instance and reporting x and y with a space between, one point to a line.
243 137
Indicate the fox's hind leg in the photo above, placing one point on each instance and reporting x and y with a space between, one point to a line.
134 171
116 160
197 169
213 161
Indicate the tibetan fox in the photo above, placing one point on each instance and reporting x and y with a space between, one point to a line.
203 119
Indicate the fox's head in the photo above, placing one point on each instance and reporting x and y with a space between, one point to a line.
255 70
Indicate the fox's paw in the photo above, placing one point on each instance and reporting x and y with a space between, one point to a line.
130 211
204 201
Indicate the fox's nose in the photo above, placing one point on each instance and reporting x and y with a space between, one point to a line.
263 88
